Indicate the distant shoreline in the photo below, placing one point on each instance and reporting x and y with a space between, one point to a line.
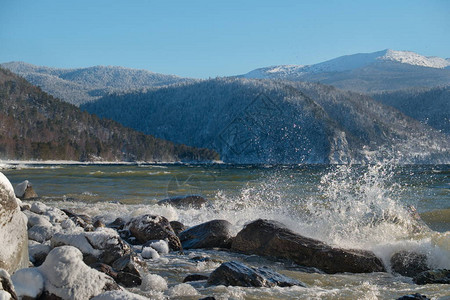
93 163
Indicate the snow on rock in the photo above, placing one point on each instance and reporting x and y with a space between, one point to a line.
38 252
161 246
7 290
68 277
149 253
183 290
153 282
54 214
104 243
119 295
28 282
13 230
21 187
40 233
36 219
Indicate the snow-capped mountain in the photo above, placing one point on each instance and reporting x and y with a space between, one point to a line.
367 72
81 85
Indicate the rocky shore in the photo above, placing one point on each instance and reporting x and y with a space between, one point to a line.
50 253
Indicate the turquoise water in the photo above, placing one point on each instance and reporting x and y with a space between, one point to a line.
362 207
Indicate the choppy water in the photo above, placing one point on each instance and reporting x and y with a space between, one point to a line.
348 206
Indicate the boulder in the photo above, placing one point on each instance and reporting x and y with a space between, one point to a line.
13 230
409 263
237 274
66 275
195 277
103 244
25 191
415 296
123 278
117 224
189 201
79 219
7 286
273 239
130 263
212 234
36 219
41 233
150 227
433 276
177 227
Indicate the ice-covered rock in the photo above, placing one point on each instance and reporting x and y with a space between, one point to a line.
119 295
13 230
153 282
104 244
28 282
149 227
54 214
149 253
41 233
67 276
161 246
25 191
7 290
36 219
38 252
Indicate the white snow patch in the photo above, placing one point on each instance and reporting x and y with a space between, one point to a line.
28 282
5 295
149 253
153 282
161 246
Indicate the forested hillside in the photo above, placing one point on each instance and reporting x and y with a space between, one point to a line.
34 125
429 106
266 121
81 85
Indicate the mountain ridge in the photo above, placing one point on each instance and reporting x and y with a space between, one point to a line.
35 125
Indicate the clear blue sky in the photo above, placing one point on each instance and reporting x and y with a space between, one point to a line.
215 38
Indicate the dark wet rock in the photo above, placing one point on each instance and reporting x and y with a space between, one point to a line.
13 230
6 284
441 276
177 227
237 274
117 224
208 298
130 263
102 245
194 201
212 234
409 263
415 296
273 239
25 206
38 252
195 277
150 227
123 278
48 296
